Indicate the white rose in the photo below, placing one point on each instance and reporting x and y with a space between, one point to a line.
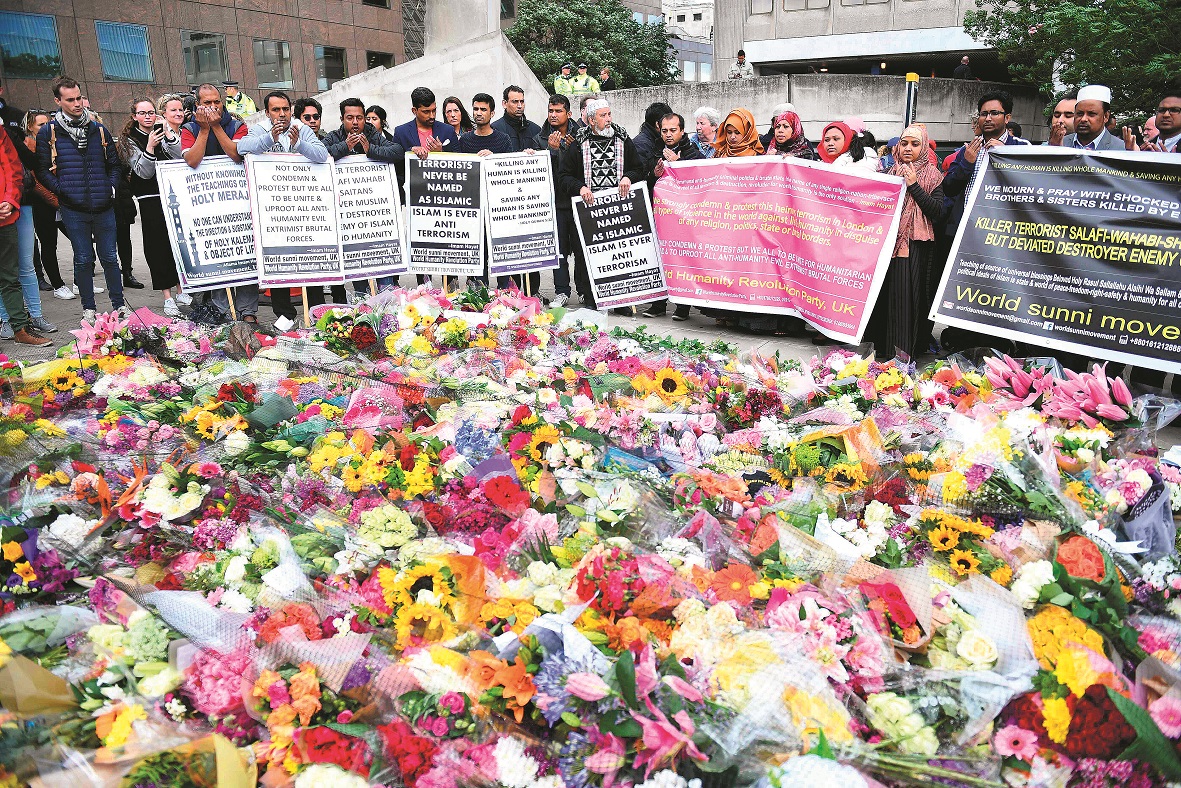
549 599
236 570
886 706
924 742
977 649
1085 454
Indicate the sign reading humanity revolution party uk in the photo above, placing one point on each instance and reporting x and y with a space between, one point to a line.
622 256
207 210
295 229
370 218
778 235
1075 251
445 223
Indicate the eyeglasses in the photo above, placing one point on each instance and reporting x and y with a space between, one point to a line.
1168 110
992 113
145 113
310 116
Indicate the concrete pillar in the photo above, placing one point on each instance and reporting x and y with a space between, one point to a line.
452 22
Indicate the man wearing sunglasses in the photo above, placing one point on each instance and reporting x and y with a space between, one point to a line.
309 111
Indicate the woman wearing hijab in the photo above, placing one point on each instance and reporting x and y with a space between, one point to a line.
900 314
788 138
739 136
842 146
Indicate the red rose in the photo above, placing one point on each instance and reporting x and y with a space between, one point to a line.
324 745
507 494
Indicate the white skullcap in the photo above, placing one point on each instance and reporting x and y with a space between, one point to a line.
594 105
1095 93
779 109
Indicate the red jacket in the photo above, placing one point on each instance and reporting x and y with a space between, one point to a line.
12 179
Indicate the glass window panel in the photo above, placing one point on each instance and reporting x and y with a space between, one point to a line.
330 66
28 46
272 65
705 72
689 69
205 57
762 6
375 59
124 52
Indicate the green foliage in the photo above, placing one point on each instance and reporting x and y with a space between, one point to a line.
1128 45
549 33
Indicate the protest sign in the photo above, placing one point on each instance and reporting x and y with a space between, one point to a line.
293 202
208 214
780 236
1072 250
445 232
622 256
522 225
370 218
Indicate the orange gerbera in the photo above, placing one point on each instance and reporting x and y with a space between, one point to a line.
733 583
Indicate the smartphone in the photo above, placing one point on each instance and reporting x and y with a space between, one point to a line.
158 126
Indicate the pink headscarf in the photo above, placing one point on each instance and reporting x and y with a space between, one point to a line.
797 144
914 224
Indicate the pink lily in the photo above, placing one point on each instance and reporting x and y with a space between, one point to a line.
663 740
1098 391
1090 421
1013 365
587 686
1113 412
1120 392
609 759
683 688
646 676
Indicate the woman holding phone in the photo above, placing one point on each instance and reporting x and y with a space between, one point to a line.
149 137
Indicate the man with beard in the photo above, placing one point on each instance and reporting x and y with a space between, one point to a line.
677 147
1092 111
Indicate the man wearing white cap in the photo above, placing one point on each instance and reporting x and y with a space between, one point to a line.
1091 113
601 157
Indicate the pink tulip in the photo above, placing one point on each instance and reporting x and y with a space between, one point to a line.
1120 392
1113 412
587 686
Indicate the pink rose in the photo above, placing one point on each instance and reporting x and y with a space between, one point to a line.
452 702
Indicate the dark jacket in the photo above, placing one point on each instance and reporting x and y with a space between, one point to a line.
541 142
959 176
13 121
648 145
381 147
406 135
521 133
608 84
497 142
686 150
571 178
82 180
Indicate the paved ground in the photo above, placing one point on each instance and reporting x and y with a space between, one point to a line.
66 315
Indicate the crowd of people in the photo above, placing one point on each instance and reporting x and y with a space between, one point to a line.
75 175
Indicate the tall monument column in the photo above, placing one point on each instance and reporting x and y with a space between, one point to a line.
453 22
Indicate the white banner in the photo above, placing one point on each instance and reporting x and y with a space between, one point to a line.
208 215
445 232
293 202
370 218
622 254
519 204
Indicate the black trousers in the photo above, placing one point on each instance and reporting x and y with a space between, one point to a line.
284 307
46 227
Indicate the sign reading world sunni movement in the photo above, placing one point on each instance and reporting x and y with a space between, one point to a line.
208 213
1073 250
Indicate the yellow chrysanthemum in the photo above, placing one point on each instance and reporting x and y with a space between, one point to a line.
1002 575
944 538
353 478
670 384
1056 717
963 562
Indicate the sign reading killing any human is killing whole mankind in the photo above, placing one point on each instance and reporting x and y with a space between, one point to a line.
293 202
522 225
622 255
207 210
780 236
445 215
1076 251
370 218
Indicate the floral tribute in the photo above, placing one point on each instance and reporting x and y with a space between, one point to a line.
459 540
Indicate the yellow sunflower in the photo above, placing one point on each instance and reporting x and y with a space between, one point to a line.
944 538
417 579
670 384
417 624
545 437
206 425
963 562
65 380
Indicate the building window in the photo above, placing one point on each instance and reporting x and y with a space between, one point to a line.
124 52
862 2
697 17
638 16
330 67
205 57
689 71
762 6
680 17
28 46
705 72
272 65
655 19
375 59
802 5
377 3
508 9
